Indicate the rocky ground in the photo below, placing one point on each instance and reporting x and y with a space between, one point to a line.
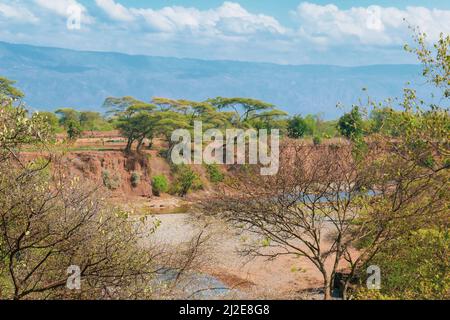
282 278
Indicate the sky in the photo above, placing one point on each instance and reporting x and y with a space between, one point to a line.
346 32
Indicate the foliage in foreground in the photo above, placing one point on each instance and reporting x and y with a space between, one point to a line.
52 223
381 196
415 266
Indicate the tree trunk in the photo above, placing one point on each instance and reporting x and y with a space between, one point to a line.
129 144
327 290
326 286
140 144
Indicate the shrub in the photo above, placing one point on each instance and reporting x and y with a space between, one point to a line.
317 140
163 153
135 179
298 127
159 185
112 182
414 267
185 180
215 175
74 130
350 125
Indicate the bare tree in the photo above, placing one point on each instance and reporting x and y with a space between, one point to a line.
324 202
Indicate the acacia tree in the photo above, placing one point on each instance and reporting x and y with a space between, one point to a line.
245 109
307 209
8 93
324 203
134 118
67 116
204 111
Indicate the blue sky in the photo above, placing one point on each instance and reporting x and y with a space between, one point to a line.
280 8
347 32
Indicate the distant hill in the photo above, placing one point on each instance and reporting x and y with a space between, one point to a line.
53 77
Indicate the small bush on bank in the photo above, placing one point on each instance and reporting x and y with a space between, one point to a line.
135 179
214 173
186 180
159 185
317 140
111 181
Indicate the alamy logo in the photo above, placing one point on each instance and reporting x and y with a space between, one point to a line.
74 17
374 278
228 149
74 280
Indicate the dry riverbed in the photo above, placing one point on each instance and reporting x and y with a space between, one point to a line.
282 278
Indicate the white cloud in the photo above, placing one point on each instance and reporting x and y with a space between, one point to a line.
17 12
316 34
114 10
230 18
63 8
373 25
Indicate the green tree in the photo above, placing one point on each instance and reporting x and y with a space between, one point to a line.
118 106
135 119
93 121
298 127
7 90
245 108
73 129
415 266
415 263
50 118
67 116
350 125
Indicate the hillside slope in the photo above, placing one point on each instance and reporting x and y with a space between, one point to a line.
54 77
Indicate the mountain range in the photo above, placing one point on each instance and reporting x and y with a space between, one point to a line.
54 77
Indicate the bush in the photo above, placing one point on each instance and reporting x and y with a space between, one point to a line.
74 130
135 179
159 185
414 267
112 182
163 153
351 124
215 175
185 180
317 140
298 127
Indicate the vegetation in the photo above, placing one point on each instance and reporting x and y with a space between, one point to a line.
73 130
214 173
380 199
317 140
416 266
186 180
383 200
135 179
350 125
111 181
298 128
54 224
160 185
